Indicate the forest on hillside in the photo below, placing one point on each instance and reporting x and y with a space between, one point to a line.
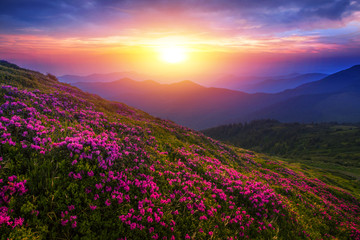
332 145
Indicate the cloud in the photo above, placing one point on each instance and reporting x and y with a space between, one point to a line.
241 25
64 15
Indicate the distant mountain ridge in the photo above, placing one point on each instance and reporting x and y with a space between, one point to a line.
98 77
333 83
249 84
185 102
333 98
274 84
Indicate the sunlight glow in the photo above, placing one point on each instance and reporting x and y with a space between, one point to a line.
173 54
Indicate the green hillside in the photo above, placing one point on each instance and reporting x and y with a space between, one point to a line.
75 166
331 146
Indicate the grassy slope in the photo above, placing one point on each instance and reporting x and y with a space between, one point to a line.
76 166
329 146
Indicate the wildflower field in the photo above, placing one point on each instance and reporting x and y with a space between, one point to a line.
76 166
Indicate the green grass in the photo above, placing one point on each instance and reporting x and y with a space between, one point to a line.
329 146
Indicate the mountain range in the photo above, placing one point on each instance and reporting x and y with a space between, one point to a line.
98 77
274 84
333 98
249 84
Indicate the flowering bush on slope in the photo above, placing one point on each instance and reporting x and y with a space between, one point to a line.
76 166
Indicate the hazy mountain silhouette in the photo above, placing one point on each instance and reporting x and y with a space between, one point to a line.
234 82
333 98
338 107
274 84
333 83
185 102
97 77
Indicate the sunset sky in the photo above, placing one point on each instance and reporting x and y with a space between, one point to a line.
215 36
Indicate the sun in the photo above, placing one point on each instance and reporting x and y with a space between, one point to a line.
173 54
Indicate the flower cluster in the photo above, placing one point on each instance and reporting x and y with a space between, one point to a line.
8 190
